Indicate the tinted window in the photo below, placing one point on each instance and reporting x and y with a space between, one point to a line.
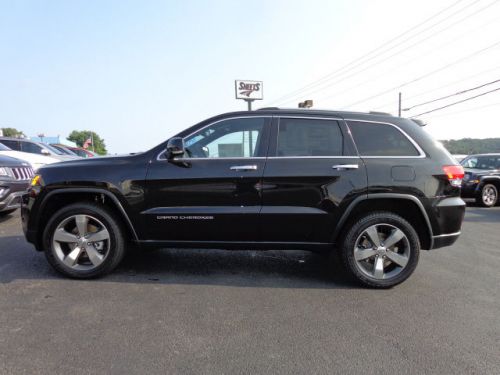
227 139
3 147
482 162
31 148
309 137
374 139
14 145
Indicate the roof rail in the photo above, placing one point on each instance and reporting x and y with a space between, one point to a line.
418 121
380 113
268 108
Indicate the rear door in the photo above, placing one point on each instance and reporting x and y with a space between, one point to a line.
312 172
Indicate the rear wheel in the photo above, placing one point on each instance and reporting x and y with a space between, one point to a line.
488 196
83 241
380 250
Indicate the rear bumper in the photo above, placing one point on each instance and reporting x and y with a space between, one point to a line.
449 214
444 240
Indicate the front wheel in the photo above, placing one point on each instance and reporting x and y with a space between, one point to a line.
84 241
488 196
380 250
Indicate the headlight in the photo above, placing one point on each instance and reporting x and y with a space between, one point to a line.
466 177
5 172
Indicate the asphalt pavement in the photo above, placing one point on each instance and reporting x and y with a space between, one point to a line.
247 312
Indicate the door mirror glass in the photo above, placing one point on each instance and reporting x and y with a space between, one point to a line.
175 147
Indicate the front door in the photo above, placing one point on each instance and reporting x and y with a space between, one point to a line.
311 171
212 192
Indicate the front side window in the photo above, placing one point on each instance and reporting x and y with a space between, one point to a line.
232 138
32 148
376 139
482 162
309 137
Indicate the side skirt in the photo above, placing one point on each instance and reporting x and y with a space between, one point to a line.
233 245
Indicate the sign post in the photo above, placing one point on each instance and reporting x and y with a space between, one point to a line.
249 91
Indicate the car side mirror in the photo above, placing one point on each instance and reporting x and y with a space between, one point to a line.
175 147
45 152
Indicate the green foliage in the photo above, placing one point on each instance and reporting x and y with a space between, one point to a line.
79 137
13 132
472 145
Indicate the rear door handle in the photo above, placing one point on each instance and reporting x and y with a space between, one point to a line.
345 166
244 168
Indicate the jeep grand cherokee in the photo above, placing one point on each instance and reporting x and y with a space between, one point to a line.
374 189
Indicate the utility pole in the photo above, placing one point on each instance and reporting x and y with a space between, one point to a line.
399 105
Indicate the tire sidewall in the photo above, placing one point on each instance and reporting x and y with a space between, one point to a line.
347 251
481 197
116 248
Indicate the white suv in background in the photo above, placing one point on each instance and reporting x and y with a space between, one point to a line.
35 160
37 148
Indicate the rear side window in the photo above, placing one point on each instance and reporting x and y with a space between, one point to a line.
309 137
14 145
375 139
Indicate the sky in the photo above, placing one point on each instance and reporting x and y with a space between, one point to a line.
138 72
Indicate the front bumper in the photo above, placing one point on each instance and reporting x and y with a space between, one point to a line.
469 190
12 193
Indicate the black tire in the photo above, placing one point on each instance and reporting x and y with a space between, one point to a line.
355 233
7 212
488 200
116 246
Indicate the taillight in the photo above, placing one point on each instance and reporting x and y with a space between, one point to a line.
455 174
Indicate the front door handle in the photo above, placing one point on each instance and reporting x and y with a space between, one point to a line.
345 166
244 168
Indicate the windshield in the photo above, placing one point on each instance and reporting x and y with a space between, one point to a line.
482 162
3 147
53 149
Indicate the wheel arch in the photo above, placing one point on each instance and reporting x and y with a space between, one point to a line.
56 199
407 206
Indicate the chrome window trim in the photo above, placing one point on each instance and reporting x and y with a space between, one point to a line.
412 141
315 157
210 124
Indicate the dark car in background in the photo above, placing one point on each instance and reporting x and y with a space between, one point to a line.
83 153
374 189
482 178
15 176
63 148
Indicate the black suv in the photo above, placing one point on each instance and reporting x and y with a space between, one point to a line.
482 178
373 187
15 176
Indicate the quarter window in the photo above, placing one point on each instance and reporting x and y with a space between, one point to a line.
309 137
233 138
375 139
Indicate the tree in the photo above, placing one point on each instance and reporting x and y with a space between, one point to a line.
79 137
13 132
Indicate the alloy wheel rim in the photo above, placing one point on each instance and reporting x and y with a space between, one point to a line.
382 251
81 242
489 195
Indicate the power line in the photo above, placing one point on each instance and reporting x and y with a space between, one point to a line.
461 80
466 110
409 60
455 103
425 75
451 95
365 56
